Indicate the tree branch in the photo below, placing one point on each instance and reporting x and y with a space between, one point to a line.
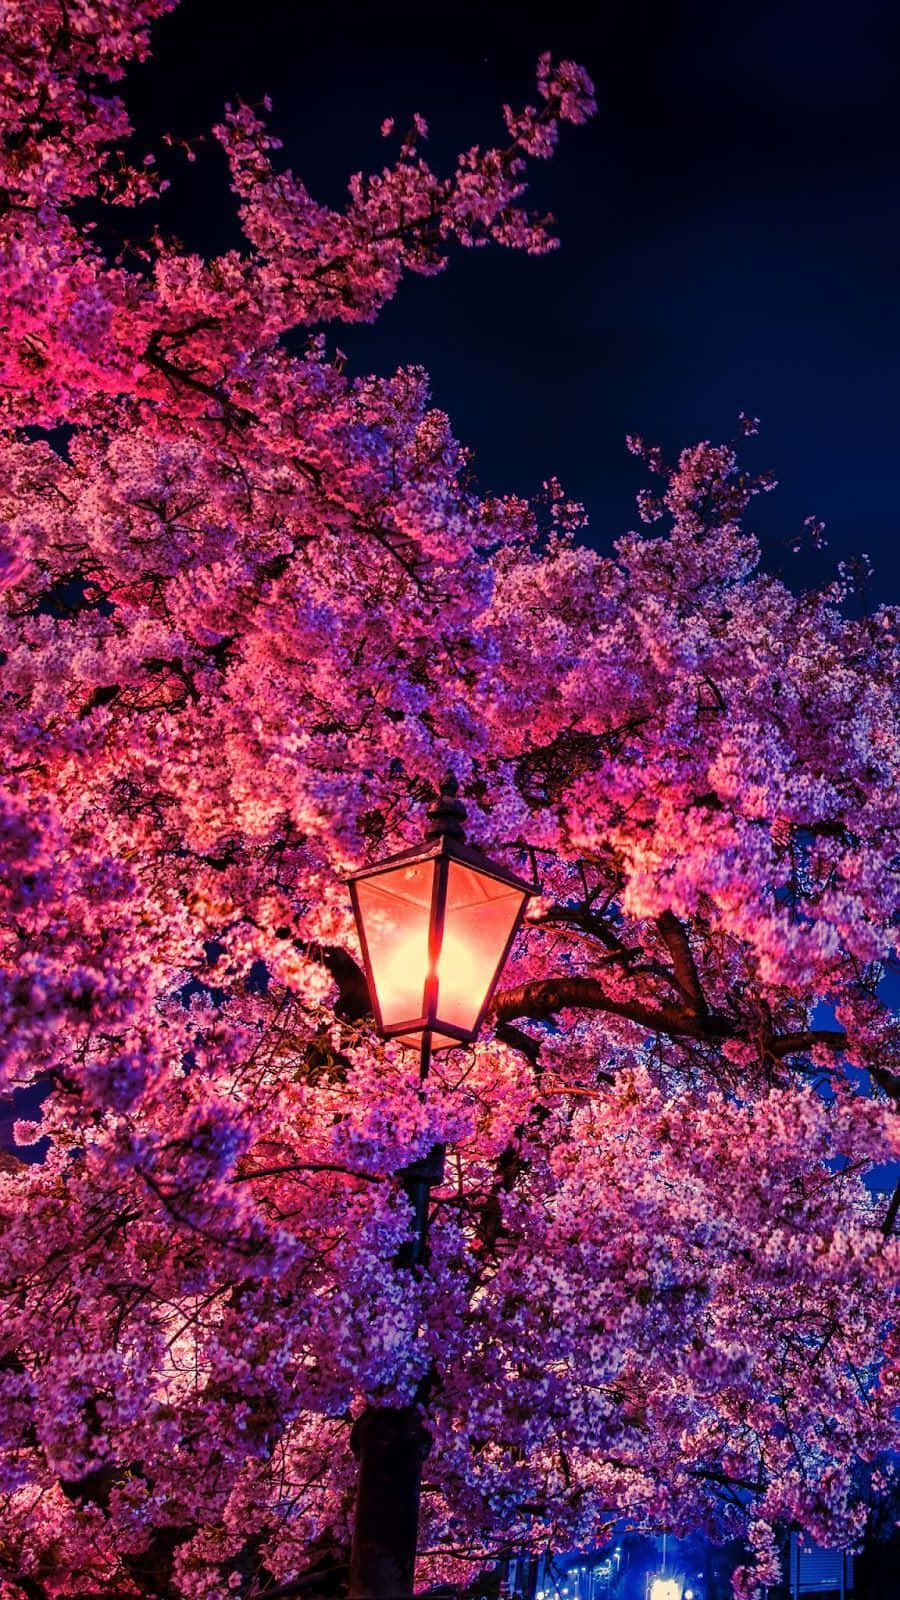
890 1216
353 991
306 1166
789 1044
518 1040
544 997
675 939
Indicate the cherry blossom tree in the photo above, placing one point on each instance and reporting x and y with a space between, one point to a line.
253 607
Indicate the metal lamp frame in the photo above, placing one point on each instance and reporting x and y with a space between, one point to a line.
442 851
444 844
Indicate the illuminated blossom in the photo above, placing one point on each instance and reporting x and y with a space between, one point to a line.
253 607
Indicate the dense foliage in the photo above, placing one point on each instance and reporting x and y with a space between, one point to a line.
253 608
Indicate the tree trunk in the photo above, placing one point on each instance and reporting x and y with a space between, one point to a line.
390 1444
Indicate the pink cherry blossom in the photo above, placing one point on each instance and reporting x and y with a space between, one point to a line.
251 612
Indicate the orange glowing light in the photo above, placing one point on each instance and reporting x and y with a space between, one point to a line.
435 917
402 978
435 925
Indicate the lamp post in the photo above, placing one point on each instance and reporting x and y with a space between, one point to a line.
435 925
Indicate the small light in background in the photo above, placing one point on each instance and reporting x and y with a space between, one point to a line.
665 1589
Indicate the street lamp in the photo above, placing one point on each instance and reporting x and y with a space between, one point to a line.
435 925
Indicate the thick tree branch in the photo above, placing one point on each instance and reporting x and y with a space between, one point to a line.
519 1040
789 1044
543 998
353 991
675 939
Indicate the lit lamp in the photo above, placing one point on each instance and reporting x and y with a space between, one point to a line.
435 924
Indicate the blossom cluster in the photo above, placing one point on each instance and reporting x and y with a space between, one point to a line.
251 611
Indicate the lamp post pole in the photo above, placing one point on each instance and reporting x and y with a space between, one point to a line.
418 915
391 1442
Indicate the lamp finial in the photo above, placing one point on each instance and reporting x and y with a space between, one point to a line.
447 815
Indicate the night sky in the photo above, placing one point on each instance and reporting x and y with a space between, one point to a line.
729 224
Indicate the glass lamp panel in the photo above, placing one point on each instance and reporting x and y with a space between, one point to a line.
395 911
480 915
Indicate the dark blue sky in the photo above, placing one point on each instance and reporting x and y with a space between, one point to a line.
730 229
